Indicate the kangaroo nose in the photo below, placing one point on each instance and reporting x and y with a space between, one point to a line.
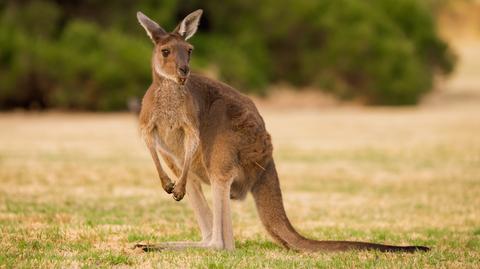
183 70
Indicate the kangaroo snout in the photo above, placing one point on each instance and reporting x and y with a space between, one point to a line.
183 70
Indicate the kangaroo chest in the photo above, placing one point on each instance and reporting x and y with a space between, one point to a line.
170 119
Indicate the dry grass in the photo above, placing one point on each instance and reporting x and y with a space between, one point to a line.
80 189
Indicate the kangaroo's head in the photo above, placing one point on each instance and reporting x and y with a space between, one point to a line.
171 55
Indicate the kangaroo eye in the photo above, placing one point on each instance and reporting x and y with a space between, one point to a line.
190 51
165 52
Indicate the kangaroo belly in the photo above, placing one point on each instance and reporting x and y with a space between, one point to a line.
169 143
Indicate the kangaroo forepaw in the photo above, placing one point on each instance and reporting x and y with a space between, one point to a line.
178 193
169 187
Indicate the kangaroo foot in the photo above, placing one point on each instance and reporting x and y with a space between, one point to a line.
169 246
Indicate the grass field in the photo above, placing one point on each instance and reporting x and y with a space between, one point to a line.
79 190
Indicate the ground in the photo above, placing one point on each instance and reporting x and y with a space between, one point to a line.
80 190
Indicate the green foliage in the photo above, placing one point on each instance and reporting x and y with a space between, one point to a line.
386 52
93 54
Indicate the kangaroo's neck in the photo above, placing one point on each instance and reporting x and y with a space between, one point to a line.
172 102
168 94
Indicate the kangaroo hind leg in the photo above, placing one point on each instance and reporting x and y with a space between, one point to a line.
203 214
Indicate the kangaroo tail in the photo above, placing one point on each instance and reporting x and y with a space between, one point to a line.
268 199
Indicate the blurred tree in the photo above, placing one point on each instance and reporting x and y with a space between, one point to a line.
93 55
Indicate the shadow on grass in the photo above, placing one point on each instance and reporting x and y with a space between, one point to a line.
256 244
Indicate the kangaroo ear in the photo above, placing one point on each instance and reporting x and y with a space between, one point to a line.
154 31
189 25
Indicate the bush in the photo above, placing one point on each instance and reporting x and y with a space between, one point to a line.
85 68
93 54
385 52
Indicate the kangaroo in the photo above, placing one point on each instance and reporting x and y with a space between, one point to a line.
206 132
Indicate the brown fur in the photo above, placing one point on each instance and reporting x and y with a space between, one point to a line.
207 131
